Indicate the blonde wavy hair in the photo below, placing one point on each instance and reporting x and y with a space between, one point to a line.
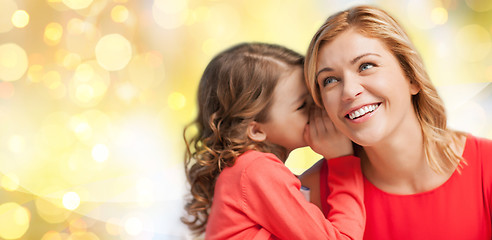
236 88
375 23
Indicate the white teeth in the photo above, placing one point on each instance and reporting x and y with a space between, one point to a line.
357 114
363 110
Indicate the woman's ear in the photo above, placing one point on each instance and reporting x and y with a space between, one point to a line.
414 88
256 132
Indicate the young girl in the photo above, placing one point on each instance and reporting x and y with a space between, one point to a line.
253 111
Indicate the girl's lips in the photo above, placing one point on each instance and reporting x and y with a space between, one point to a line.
362 111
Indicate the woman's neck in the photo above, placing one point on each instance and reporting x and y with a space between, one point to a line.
398 164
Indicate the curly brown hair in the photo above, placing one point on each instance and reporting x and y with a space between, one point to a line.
236 88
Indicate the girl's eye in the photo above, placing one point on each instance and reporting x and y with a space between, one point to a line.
365 66
329 80
302 106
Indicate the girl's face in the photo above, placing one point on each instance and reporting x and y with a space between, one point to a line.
364 89
288 114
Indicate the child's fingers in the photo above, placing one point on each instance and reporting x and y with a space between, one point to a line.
307 134
319 121
313 123
327 123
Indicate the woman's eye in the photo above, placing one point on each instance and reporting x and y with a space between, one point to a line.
365 66
329 80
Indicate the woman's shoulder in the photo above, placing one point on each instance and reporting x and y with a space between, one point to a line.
478 151
477 143
478 140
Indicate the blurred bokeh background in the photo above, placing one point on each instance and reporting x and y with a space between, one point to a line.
94 95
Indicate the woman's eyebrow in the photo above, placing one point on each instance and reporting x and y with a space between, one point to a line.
325 69
361 56
353 61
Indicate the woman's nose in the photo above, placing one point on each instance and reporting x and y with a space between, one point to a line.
352 87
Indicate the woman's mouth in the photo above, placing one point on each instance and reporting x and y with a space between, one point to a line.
362 111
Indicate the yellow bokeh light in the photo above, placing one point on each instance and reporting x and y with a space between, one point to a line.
112 226
83 236
133 226
14 220
91 127
89 84
76 26
8 7
83 130
84 72
36 58
84 93
20 18
77 225
52 79
210 46
71 61
439 15
55 136
479 5
170 6
53 33
198 15
52 235
10 182
145 71
473 42
58 92
7 90
78 169
119 13
59 55
113 52
71 200
126 92
16 144
100 153
77 4
421 14
145 192
13 62
488 73
223 22
170 14
82 37
35 73
176 100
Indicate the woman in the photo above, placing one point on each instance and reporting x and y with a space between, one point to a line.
421 179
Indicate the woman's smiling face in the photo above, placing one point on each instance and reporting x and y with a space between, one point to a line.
363 88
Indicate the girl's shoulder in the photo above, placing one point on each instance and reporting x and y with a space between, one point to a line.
252 161
256 165
252 158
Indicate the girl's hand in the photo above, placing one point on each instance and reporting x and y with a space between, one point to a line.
322 136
